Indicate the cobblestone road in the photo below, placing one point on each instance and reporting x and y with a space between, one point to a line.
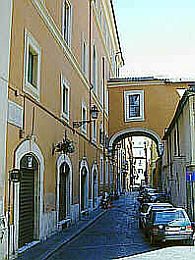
114 235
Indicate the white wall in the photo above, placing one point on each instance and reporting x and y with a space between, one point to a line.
5 33
5 30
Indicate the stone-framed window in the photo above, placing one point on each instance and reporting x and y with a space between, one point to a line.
94 131
32 66
95 69
134 105
84 63
84 117
65 98
67 21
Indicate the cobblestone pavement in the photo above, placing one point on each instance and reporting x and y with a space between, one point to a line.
114 235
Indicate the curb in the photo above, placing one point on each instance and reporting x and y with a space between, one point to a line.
47 255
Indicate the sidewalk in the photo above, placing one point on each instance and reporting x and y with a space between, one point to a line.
174 252
44 249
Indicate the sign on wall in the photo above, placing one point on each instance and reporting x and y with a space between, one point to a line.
15 114
190 176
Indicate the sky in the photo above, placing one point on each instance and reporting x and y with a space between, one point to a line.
157 37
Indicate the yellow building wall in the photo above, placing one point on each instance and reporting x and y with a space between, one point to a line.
48 127
160 101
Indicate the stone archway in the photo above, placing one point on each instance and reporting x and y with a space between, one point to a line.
29 147
84 185
84 189
137 132
64 189
64 192
28 200
94 185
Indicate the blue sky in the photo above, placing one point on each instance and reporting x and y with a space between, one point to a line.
157 37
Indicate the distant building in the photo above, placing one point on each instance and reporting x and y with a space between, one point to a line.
139 158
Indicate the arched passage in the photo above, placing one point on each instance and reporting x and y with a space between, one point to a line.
130 150
137 132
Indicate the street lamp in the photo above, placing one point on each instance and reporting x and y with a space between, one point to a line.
93 116
15 175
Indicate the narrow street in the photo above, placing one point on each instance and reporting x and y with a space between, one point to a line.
114 235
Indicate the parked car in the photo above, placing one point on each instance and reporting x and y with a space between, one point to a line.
144 194
148 190
145 209
159 197
136 187
169 224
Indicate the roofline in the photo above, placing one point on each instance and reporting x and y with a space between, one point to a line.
148 78
114 17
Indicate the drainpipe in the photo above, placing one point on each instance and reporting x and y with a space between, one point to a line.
103 114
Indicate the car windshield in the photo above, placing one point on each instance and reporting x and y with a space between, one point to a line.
167 217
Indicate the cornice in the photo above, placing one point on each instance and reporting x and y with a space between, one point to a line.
109 19
129 84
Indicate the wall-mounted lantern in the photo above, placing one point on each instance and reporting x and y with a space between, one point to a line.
15 175
93 116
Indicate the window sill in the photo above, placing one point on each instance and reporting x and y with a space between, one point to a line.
64 117
127 120
84 131
32 91
94 141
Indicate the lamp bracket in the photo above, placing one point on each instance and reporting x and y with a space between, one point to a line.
77 124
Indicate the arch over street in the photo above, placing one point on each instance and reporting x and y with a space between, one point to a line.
137 132
142 107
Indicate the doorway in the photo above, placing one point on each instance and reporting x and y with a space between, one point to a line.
95 189
84 189
28 200
64 192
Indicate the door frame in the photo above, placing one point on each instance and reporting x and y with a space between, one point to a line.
94 170
36 195
61 160
29 147
84 164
